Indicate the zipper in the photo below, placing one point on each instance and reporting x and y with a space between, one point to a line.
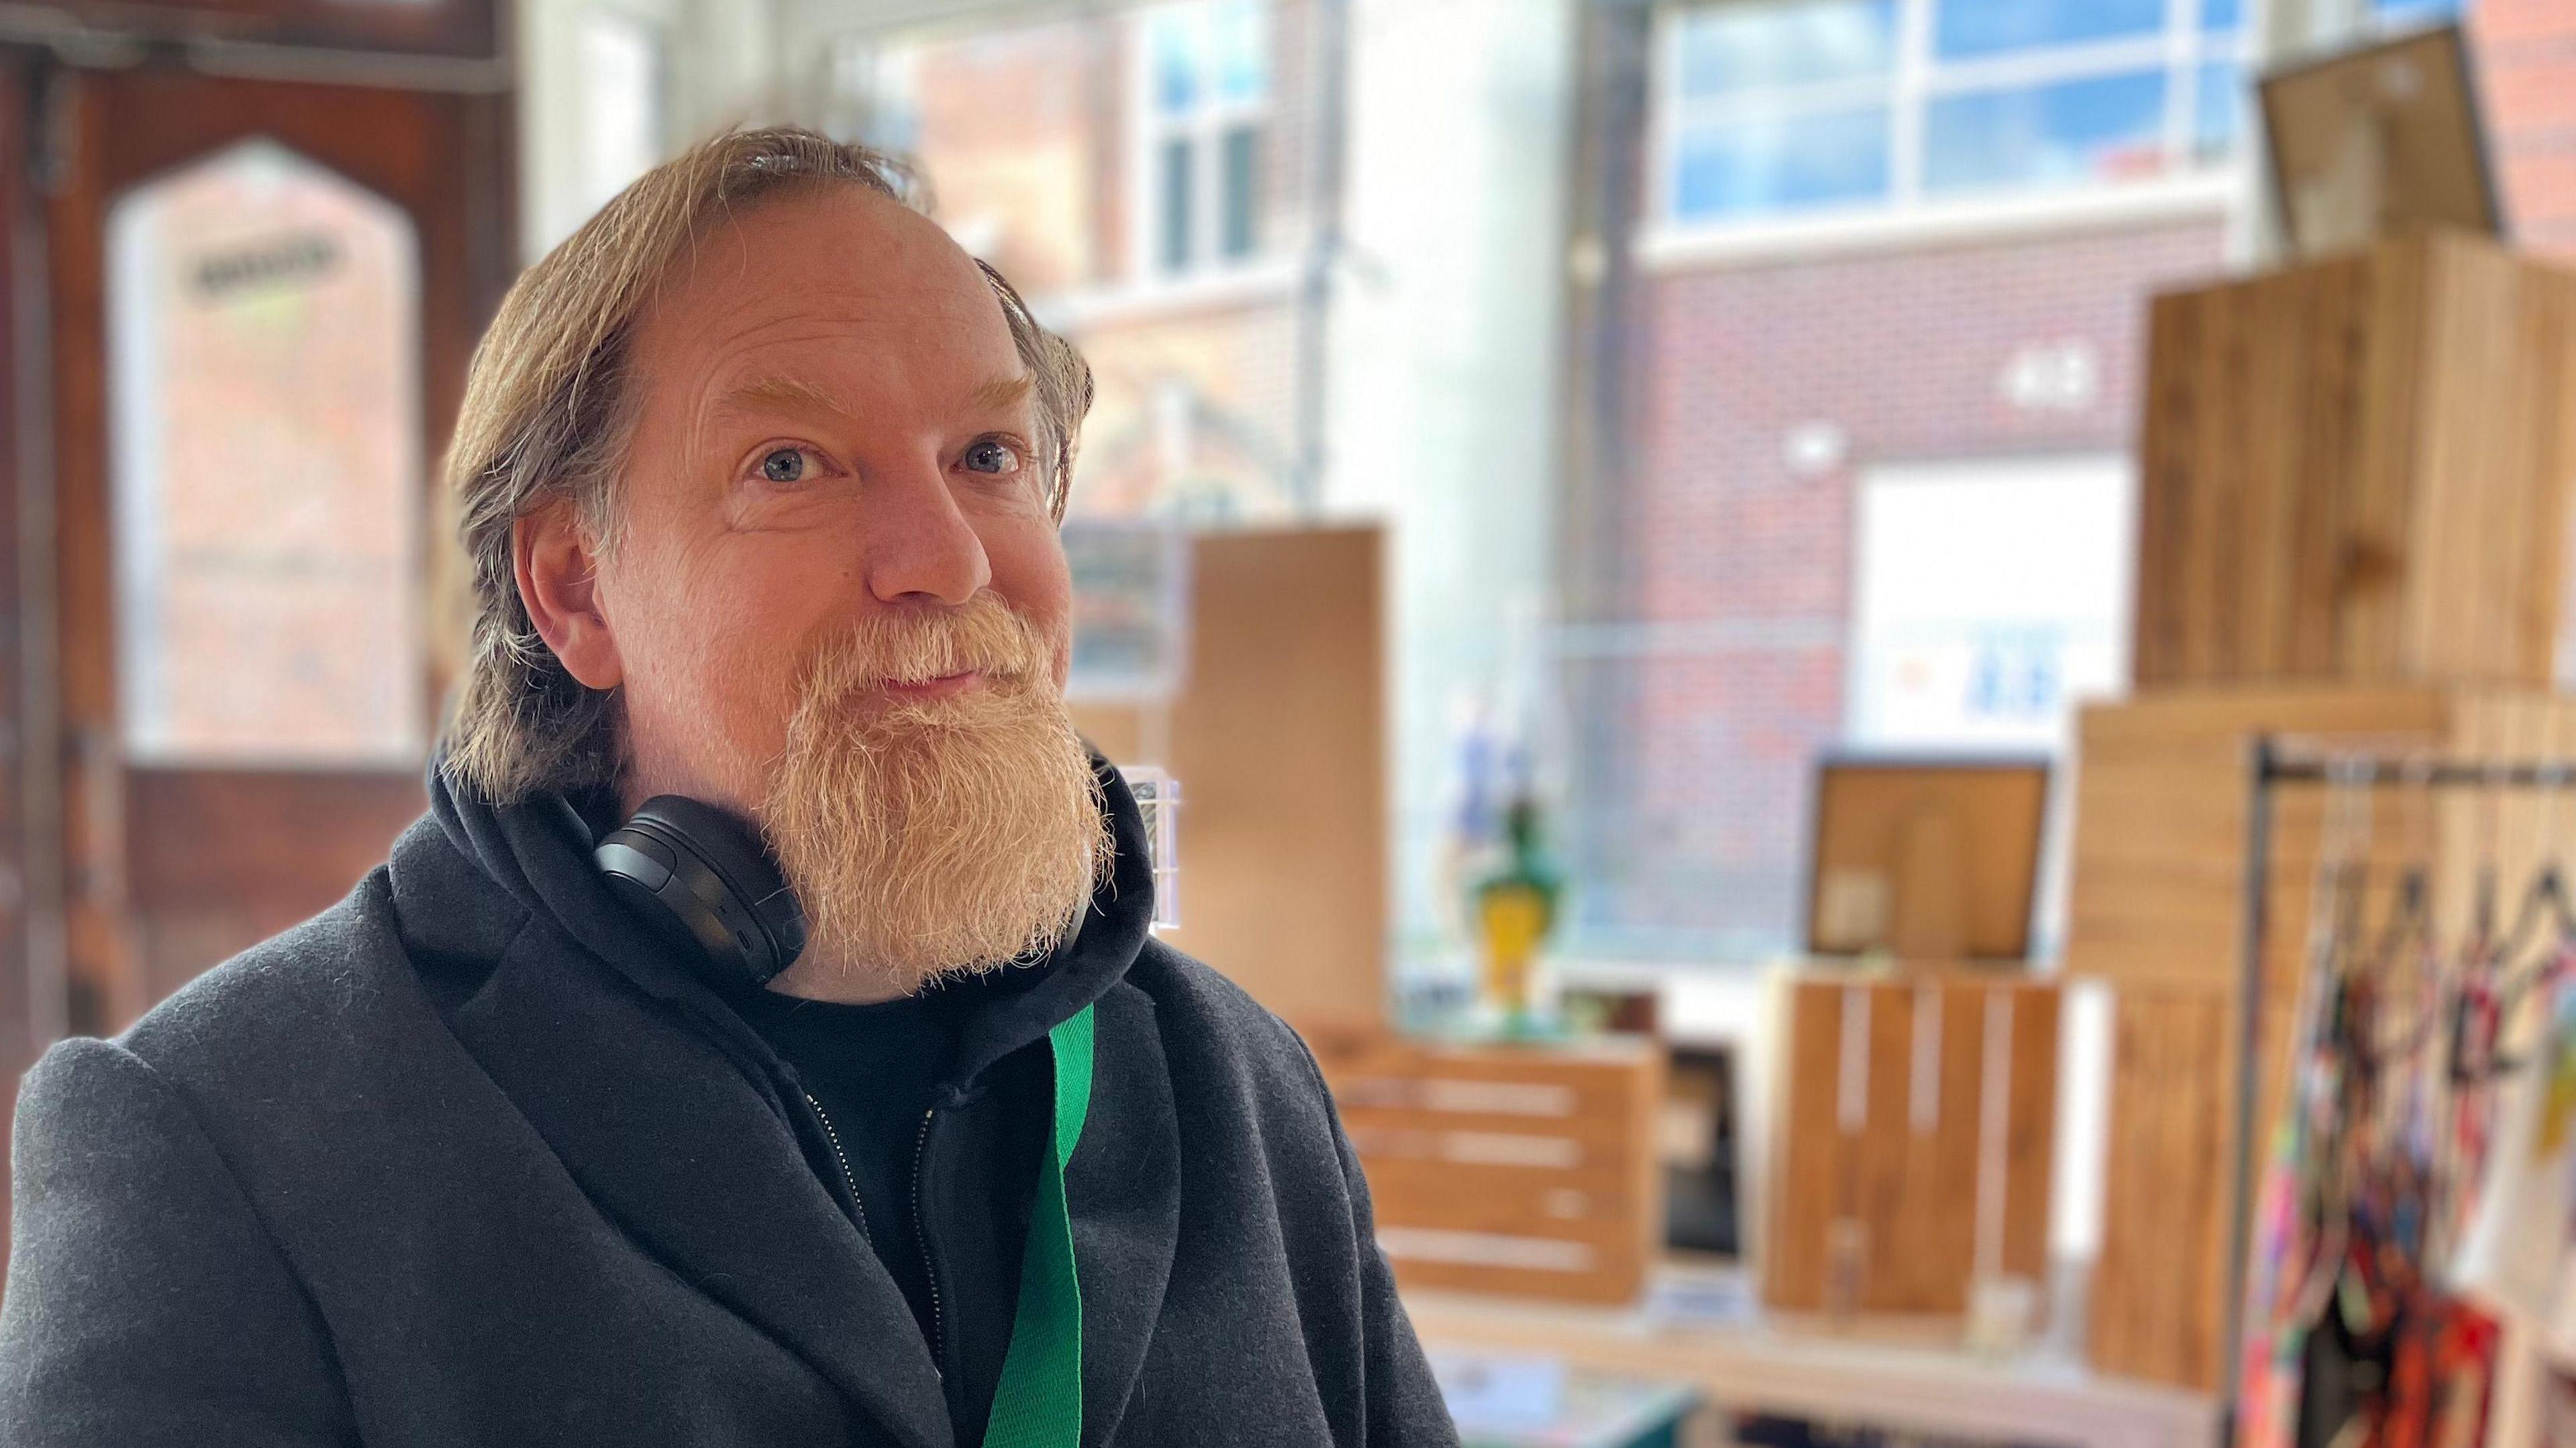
849 1179
921 1229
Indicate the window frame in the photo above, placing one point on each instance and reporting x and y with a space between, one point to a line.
1916 80
1204 125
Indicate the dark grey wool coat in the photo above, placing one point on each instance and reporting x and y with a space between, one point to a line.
466 1160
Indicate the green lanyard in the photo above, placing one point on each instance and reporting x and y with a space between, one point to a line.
1038 1403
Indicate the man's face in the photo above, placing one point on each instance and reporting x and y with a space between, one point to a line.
834 600
833 427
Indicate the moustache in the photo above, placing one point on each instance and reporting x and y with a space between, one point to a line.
982 636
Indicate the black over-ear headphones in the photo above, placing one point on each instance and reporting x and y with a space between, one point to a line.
701 878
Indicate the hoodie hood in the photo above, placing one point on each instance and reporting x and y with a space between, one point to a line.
539 850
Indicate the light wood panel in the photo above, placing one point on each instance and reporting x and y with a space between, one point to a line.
1884 1163
1278 742
2161 1279
2358 469
1526 1169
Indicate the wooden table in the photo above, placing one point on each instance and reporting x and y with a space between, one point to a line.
1760 1365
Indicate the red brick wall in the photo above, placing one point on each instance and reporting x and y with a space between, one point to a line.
2526 58
1023 134
1742 567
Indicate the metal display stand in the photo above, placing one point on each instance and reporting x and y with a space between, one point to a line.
2269 767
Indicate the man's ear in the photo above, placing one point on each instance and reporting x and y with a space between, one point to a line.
559 581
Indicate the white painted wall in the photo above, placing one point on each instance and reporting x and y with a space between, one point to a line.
1444 352
716 66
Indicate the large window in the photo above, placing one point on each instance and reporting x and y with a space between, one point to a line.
263 381
1769 108
1204 80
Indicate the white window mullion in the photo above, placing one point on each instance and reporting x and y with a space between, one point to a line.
1207 162
1912 84
2182 85
1766 101
1664 99
2062 62
1144 153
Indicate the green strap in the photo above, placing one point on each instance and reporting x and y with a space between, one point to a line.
1038 1403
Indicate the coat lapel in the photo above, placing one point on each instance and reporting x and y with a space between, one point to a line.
1124 1187
665 1135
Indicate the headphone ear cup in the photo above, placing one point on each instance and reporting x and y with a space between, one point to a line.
699 877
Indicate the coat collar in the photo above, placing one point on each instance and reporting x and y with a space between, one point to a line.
1124 1188
674 1144
667 1111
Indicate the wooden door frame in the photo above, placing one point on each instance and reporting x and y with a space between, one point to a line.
467 258
33 1001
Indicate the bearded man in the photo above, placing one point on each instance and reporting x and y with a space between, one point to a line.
760 1042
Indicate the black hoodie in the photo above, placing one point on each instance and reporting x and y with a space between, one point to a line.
472 1159
977 1153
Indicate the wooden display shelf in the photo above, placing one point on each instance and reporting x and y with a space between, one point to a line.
2358 469
1916 1135
1508 1168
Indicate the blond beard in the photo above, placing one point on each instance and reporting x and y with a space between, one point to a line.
936 837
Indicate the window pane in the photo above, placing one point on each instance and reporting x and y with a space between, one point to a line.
2415 12
2221 14
1242 190
1782 163
1176 43
1785 42
1241 42
2102 128
264 394
2219 117
1176 205
1984 27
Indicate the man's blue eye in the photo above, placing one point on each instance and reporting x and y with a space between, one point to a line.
784 465
989 456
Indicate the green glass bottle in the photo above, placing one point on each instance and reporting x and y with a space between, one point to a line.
1515 910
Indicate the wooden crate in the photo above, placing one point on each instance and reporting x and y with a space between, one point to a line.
2158 909
1529 1170
2358 470
1911 1106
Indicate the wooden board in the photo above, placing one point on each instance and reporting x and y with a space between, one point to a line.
2160 1282
1528 1170
2157 909
1890 1086
1935 861
2358 470
1278 743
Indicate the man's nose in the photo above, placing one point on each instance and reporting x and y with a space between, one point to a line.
921 547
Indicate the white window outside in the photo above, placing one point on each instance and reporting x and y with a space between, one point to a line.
1201 105
622 66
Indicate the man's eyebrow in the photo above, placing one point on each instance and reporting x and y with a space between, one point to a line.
778 394
1004 392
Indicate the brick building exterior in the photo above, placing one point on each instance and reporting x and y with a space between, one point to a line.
1736 578
1028 140
2526 57
1743 558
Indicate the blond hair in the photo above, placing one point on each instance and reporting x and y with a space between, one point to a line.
547 415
